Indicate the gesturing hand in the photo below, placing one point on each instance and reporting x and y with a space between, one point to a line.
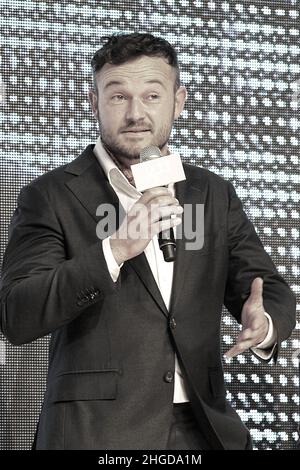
255 324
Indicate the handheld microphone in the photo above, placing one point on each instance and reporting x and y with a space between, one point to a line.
166 239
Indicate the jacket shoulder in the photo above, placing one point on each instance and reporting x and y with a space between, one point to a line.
56 177
207 176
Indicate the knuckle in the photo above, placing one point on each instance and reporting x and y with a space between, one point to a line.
256 325
161 190
161 200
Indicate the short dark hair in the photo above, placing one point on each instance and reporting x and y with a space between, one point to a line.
120 48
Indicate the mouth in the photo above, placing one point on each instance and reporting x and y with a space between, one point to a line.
136 131
136 134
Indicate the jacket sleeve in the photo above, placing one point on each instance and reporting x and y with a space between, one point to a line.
248 260
40 289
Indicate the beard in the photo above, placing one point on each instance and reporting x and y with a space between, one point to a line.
132 150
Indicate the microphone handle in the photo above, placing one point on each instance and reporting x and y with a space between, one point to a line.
167 244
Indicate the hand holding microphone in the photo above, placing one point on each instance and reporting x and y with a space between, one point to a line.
152 213
166 238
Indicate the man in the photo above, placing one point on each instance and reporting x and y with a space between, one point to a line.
134 360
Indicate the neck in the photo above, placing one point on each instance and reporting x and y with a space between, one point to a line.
122 164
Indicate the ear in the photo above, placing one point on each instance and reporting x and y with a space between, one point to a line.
93 98
180 98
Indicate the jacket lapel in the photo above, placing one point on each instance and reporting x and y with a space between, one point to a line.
189 191
90 185
143 270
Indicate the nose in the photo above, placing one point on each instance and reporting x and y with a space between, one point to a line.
135 110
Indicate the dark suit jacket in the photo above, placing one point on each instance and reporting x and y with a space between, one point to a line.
111 359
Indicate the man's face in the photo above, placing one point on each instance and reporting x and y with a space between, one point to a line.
136 105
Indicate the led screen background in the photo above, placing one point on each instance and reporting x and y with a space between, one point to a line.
240 64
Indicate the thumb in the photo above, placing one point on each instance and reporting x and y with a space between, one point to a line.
256 295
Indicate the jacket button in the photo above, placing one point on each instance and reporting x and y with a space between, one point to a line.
169 377
172 323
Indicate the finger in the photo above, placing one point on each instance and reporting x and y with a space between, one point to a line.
158 213
163 200
256 325
253 339
165 225
142 211
239 348
256 295
149 194
245 335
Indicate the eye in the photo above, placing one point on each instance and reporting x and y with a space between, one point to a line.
118 98
153 96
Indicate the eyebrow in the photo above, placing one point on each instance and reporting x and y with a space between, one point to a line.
156 81
113 82
117 82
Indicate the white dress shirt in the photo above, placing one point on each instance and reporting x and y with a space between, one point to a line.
162 271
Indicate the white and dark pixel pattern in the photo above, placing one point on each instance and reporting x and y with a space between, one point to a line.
240 63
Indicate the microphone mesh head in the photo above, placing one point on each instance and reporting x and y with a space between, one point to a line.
149 153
